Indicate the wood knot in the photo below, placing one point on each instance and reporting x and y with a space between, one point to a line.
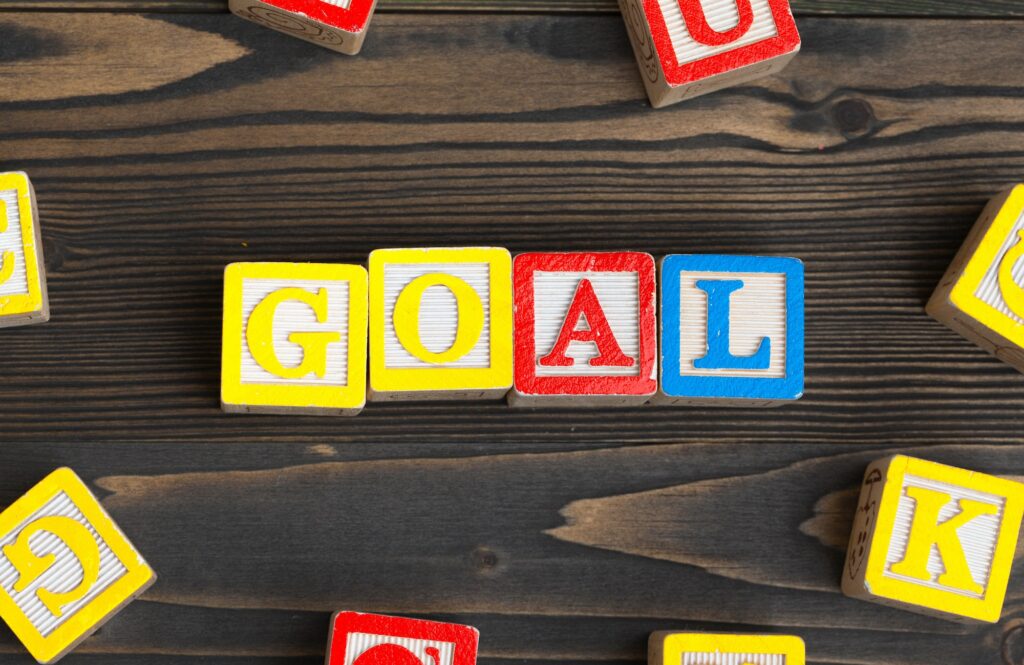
853 117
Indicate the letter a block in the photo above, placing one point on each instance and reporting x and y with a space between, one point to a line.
732 330
440 323
981 296
339 25
294 338
374 639
22 273
933 539
585 329
667 648
687 48
65 567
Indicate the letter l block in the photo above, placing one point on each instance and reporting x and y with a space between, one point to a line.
933 539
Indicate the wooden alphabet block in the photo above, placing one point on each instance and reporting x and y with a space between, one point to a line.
668 648
375 639
981 296
933 539
23 298
585 329
65 567
294 338
688 48
339 25
440 323
732 330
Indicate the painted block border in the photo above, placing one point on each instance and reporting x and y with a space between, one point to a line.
465 638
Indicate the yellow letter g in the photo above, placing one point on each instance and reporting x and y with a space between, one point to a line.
259 334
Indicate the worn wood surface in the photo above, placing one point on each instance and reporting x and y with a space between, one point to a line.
163 147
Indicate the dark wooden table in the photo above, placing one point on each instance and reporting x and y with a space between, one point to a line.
167 138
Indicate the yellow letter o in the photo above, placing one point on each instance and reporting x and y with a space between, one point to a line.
470 324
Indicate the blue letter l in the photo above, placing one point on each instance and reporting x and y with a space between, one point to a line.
718 355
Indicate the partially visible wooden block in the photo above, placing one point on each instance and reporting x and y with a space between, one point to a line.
688 48
339 25
23 298
981 296
65 567
376 639
294 338
933 539
585 329
732 330
440 323
668 648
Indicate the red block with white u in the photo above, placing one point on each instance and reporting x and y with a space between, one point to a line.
687 48
585 329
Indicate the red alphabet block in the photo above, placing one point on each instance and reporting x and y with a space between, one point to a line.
339 25
375 639
687 48
585 329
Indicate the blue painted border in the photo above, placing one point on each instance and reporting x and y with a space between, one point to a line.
673 384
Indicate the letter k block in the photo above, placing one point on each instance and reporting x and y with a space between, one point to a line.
934 539
294 338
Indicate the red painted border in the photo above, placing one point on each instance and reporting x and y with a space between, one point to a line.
526 379
344 623
353 19
786 41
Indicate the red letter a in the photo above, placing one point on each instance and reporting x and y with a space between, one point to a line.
585 304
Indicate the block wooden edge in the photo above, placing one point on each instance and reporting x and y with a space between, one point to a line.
351 41
519 400
736 77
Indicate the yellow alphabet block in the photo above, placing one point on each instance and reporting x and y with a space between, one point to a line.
933 539
294 338
65 567
668 648
440 323
23 297
981 296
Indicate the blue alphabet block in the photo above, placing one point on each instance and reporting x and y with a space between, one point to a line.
732 330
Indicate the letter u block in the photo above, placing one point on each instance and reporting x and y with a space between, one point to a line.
732 330
981 296
23 297
585 329
339 25
687 48
440 323
65 567
667 648
294 338
933 539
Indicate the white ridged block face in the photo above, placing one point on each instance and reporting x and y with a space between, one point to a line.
757 310
721 15
438 314
719 658
988 290
12 244
360 643
338 3
617 293
294 316
64 575
978 537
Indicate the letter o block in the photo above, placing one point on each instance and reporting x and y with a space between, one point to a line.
339 25
981 296
668 648
294 338
585 329
65 567
688 48
23 297
440 323
933 539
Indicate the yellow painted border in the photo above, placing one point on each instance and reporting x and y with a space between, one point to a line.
350 396
33 300
990 606
138 573
963 293
677 644
497 376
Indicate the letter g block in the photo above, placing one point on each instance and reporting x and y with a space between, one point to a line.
440 323
933 539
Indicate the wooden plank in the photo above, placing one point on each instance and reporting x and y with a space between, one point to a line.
253 560
893 8
254 146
